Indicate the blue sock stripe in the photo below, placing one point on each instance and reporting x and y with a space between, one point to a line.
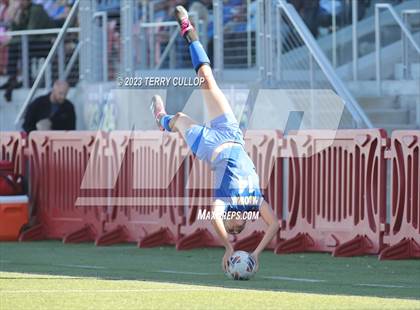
164 121
198 55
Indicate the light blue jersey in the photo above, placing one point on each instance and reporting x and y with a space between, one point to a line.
236 181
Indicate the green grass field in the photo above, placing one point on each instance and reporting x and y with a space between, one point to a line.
50 275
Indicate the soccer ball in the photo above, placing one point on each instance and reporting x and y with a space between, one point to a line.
241 266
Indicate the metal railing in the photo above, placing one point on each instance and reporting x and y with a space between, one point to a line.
355 43
152 58
89 51
25 57
127 20
295 33
239 35
405 32
347 6
74 57
167 51
348 41
153 61
260 40
48 60
102 15
218 37
231 34
405 48
99 55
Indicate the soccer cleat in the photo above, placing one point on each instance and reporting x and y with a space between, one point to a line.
158 110
187 29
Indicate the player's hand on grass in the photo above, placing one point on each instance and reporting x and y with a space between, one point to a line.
225 259
255 256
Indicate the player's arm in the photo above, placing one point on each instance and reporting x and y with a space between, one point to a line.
217 221
273 226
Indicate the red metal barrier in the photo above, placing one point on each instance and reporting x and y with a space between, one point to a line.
58 163
336 192
403 238
198 192
146 202
12 146
131 186
262 146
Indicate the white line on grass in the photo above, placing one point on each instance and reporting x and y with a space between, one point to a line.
266 277
383 285
186 272
294 279
80 266
112 291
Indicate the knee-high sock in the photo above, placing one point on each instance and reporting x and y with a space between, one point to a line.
164 121
198 55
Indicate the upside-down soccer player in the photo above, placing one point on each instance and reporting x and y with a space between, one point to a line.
222 146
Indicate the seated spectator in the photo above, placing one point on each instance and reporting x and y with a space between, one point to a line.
52 111
161 10
57 10
28 16
308 10
235 37
4 6
109 6
343 12
229 9
238 22
326 12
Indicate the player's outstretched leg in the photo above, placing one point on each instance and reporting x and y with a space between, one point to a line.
216 101
179 122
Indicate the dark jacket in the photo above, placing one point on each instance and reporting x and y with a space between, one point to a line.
32 18
304 4
63 119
